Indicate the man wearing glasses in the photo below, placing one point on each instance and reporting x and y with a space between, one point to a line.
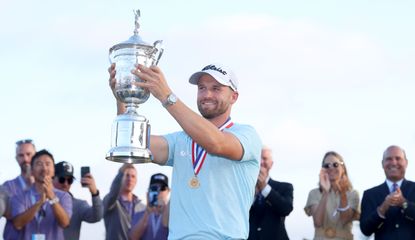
82 211
152 224
25 149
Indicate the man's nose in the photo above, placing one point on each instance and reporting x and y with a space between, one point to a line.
208 93
26 159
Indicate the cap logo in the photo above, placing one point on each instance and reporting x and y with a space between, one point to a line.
159 177
213 67
67 167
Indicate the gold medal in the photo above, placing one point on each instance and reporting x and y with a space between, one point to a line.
330 232
194 182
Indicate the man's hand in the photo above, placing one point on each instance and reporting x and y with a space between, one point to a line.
262 179
341 185
48 188
153 80
42 199
89 181
163 198
395 198
392 199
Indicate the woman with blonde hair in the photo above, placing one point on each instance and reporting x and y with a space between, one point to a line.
334 204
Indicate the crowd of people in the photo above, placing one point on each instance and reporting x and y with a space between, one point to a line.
221 186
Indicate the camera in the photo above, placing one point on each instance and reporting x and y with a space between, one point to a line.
153 194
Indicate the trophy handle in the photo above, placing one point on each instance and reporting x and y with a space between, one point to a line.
158 51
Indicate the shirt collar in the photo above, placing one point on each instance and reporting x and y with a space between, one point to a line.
390 183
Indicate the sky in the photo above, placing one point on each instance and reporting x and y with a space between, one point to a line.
314 76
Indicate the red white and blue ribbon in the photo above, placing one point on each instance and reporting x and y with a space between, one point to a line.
199 154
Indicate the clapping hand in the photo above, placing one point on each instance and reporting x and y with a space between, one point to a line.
324 180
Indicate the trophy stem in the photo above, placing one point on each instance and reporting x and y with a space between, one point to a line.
131 108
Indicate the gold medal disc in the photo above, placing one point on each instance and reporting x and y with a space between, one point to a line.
194 182
330 232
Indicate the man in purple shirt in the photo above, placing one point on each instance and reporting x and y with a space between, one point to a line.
43 211
25 149
152 224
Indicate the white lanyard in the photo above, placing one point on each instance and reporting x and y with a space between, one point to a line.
22 183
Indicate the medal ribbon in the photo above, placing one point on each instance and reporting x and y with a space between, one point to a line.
199 154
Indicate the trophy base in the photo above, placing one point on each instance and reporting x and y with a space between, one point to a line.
129 155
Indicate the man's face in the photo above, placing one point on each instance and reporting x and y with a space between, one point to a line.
24 154
213 98
266 159
43 167
394 164
63 183
130 180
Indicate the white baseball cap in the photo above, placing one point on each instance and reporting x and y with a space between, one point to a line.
221 73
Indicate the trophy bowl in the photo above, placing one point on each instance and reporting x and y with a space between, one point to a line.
130 136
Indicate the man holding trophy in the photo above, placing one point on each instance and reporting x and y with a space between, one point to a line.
215 161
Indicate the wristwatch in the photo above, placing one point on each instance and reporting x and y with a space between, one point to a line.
54 200
171 99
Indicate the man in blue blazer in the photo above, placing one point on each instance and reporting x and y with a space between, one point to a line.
273 202
388 210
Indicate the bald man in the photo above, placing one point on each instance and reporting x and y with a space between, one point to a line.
388 210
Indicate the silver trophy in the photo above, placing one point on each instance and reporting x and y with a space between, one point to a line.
131 131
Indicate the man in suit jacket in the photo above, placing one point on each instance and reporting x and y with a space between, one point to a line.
273 202
388 210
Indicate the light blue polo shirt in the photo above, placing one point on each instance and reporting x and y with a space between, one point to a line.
219 207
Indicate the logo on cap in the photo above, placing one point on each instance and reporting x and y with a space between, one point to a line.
220 73
67 167
63 169
213 67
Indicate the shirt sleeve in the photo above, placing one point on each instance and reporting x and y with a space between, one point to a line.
354 200
66 202
250 142
111 198
171 141
90 214
17 204
314 198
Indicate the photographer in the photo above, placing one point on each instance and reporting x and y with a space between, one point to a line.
81 210
153 222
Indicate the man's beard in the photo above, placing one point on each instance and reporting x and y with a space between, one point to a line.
26 170
212 113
